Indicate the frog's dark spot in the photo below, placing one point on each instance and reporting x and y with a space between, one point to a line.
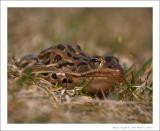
44 74
61 47
81 63
86 59
26 60
69 54
54 76
76 57
82 53
46 62
57 58
45 52
82 67
22 65
30 56
65 80
71 49
44 56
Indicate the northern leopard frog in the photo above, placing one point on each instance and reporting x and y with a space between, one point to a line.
68 64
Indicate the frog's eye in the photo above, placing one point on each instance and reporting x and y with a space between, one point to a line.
95 62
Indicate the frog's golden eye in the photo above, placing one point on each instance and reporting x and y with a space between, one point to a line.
96 62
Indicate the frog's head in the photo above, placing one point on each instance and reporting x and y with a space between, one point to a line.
113 63
108 61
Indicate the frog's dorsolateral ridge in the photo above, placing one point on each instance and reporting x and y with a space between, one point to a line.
68 63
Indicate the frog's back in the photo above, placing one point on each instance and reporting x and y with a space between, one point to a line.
65 55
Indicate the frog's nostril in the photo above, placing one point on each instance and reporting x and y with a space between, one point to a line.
118 68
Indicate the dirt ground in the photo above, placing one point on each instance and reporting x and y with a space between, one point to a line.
123 32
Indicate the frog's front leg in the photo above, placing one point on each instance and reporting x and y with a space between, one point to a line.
28 61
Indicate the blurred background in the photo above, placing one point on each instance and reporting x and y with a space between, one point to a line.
123 32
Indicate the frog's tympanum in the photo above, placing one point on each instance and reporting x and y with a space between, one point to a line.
69 66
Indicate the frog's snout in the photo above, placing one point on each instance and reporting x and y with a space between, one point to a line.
113 63
118 68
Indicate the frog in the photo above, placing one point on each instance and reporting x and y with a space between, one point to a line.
68 64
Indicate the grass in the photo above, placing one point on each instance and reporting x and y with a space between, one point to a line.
135 87
26 78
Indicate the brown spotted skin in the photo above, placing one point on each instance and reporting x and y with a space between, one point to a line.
68 63
70 56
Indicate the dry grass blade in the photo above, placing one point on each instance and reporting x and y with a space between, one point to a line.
46 87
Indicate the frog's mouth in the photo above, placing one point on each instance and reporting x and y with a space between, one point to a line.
105 73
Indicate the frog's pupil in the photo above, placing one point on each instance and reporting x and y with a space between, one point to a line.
95 60
82 53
